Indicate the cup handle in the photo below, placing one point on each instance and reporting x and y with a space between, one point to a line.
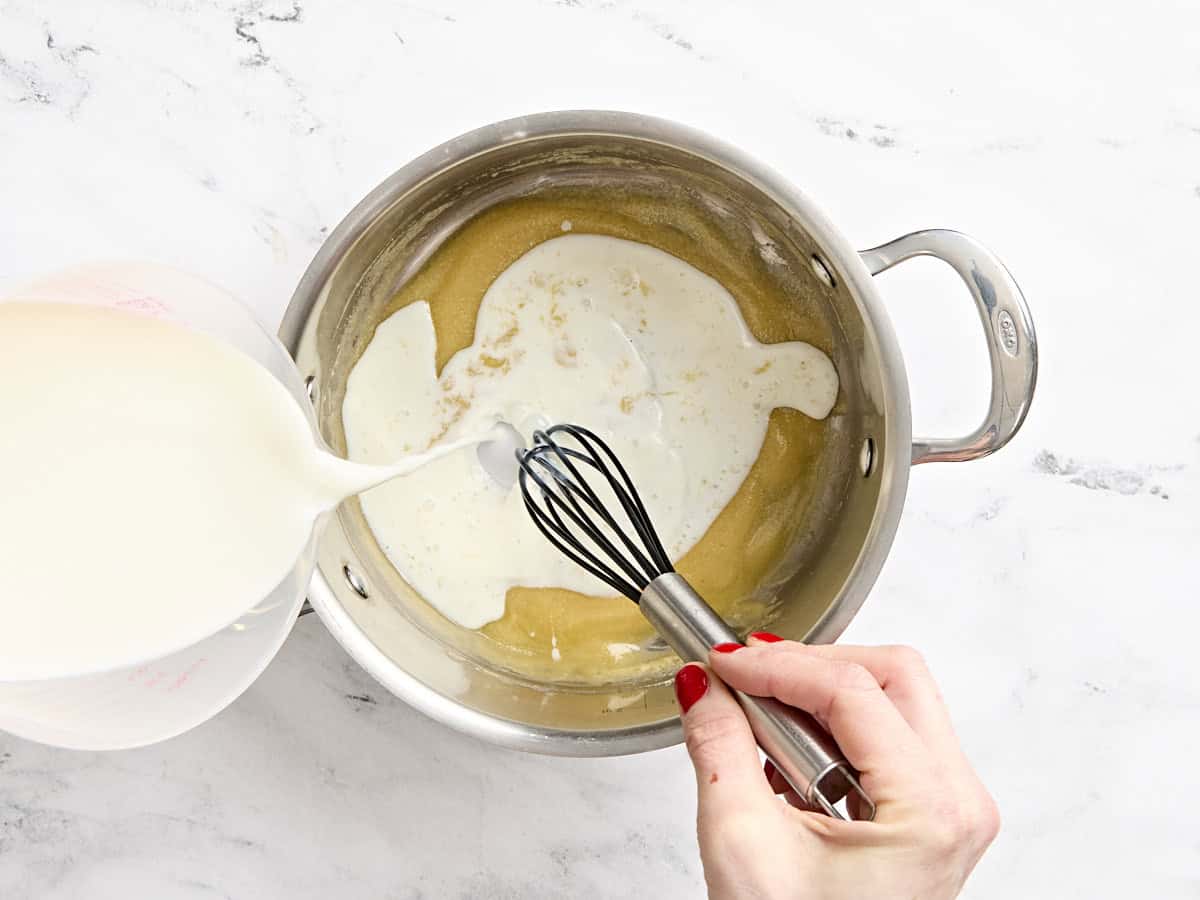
1011 340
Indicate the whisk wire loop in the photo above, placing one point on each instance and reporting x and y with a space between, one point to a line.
592 459
626 494
570 507
569 490
552 531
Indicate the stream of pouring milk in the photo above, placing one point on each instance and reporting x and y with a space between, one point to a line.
629 341
155 483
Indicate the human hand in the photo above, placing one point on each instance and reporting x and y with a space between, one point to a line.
933 817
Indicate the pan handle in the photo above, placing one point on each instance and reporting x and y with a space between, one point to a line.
1011 340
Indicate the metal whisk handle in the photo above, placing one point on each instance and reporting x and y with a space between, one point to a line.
798 746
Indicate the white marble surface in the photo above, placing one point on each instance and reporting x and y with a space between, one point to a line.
1053 587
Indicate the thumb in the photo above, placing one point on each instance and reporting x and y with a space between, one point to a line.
729 776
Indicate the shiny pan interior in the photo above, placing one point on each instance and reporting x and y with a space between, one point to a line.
443 669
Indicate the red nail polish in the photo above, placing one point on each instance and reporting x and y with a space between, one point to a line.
727 647
766 637
769 769
691 683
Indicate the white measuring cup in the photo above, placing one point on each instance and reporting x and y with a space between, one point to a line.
151 700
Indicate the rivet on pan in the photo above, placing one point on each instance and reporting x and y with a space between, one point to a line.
866 456
355 581
310 388
822 272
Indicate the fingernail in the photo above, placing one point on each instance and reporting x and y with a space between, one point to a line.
766 637
691 683
727 647
769 769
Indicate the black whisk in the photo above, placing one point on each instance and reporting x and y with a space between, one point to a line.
563 477
564 491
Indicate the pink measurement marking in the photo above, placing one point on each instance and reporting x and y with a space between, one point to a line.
168 680
186 675
143 303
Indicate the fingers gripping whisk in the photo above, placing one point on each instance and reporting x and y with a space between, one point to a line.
584 502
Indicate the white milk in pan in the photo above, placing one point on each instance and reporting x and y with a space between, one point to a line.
622 338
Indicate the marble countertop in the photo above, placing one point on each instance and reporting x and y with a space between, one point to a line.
1053 587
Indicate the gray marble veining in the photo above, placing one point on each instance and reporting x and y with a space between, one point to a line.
1052 587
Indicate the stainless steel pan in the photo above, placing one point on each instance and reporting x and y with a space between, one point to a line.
436 666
